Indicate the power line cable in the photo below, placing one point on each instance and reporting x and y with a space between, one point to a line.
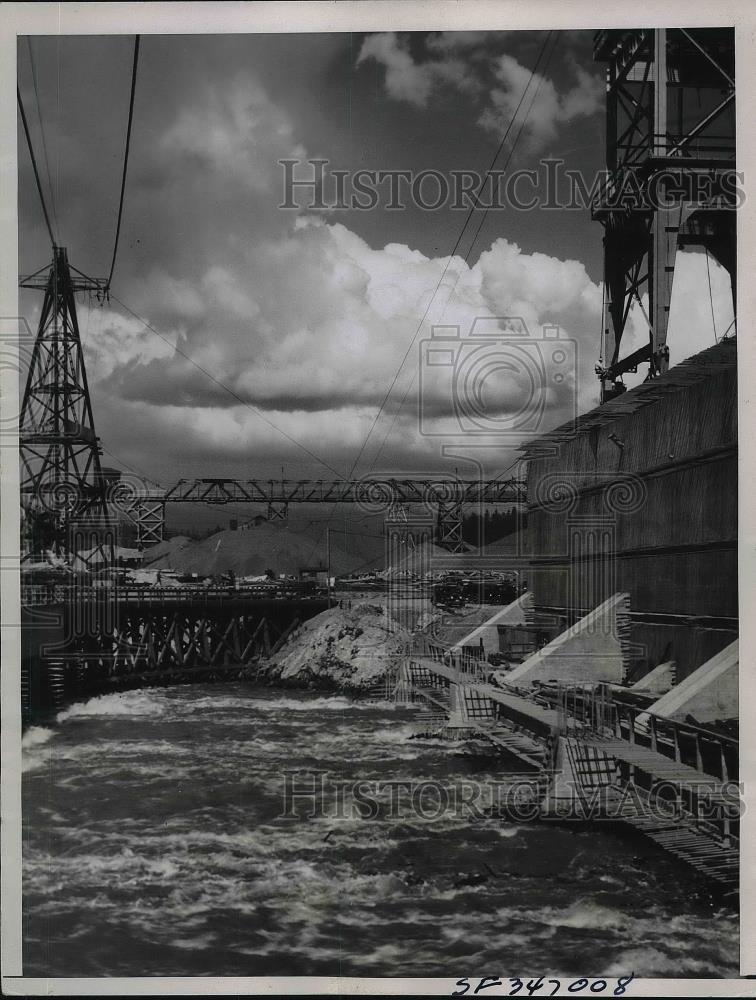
711 297
140 472
125 159
130 467
355 534
483 219
474 206
42 132
533 99
34 165
732 324
59 91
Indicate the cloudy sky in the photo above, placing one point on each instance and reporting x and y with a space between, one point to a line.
277 333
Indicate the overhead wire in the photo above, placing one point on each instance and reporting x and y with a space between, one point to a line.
132 468
711 297
58 91
226 388
554 43
34 166
473 207
483 219
147 325
125 160
132 312
42 132
732 324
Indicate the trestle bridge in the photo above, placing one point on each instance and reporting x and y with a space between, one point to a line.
91 642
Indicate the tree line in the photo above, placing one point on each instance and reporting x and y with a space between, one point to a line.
483 530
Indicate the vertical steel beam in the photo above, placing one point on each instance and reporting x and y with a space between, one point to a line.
150 522
663 231
670 159
450 526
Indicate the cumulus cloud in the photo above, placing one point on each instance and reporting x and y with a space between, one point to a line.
501 77
549 108
411 81
235 130
314 350
112 342
461 41
331 316
279 329
311 355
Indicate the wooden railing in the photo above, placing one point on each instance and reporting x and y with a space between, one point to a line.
603 711
711 753
469 666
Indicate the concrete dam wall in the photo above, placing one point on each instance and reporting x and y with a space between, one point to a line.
640 496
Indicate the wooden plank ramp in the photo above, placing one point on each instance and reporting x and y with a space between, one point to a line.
654 763
519 709
713 854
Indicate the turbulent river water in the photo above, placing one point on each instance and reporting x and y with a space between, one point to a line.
154 845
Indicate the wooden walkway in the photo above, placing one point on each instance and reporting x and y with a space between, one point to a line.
657 765
521 710
544 721
714 857
705 845
528 750
522 728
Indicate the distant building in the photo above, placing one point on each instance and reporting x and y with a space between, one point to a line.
254 522
317 573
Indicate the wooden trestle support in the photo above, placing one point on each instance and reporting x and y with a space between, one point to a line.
151 643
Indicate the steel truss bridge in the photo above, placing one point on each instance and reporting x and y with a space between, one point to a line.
443 499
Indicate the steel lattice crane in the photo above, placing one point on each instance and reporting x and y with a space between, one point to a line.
670 158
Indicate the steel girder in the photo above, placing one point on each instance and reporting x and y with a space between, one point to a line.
443 498
670 159
379 493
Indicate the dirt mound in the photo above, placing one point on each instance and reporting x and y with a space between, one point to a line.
419 560
345 649
165 548
509 545
276 546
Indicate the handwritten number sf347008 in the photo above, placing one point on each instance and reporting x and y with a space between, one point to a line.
533 986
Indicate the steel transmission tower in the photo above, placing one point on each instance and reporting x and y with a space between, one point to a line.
670 158
60 452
